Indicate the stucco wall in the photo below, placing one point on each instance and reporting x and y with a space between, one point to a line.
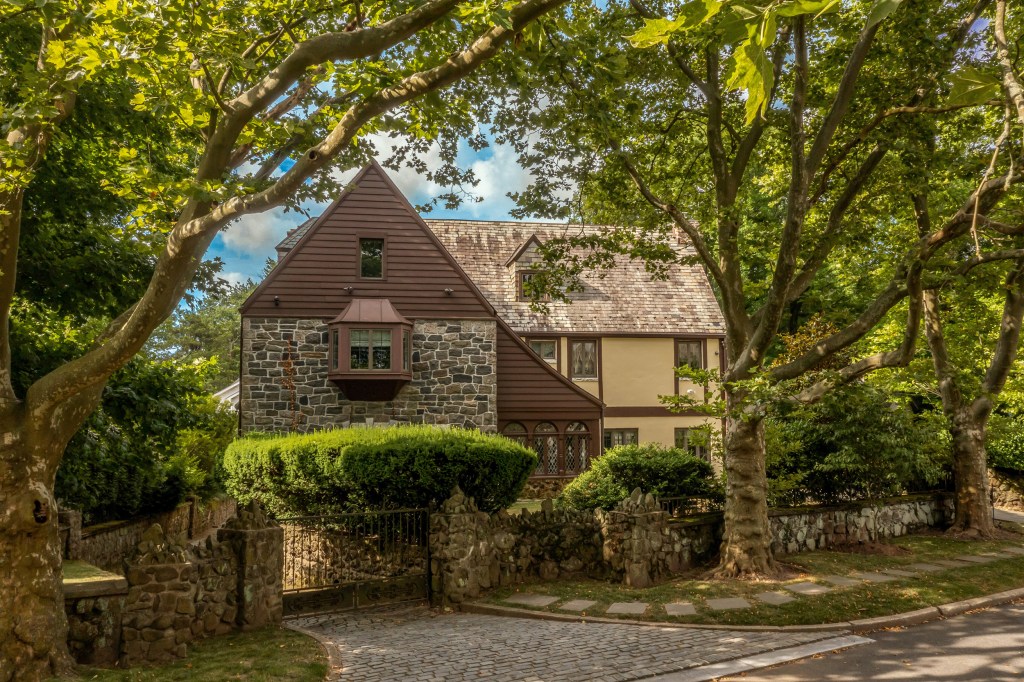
285 386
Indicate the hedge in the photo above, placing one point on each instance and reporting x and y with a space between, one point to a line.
374 468
664 472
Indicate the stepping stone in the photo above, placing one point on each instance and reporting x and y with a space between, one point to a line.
539 600
1005 555
1014 550
577 605
680 609
949 563
774 598
927 568
975 559
728 604
874 577
808 589
840 581
900 573
632 608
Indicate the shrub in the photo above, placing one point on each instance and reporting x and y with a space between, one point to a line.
661 471
393 467
856 443
1005 443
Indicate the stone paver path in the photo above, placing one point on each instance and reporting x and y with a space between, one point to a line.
630 608
874 577
901 573
807 588
774 598
577 605
975 559
680 609
728 604
840 580
417 645
539 600
927 568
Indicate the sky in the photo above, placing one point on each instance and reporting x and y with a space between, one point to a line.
247 243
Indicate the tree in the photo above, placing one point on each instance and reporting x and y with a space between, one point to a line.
243 86
780 140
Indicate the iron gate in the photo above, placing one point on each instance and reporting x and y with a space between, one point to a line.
350 561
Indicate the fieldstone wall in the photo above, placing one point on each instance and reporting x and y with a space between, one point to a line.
1007 490
107 545
174 593
285 386
544 488
635 543
799 530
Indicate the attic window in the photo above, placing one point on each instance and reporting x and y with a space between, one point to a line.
371 258
526 276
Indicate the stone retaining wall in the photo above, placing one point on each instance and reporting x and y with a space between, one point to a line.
107 545
635 543
176 593
1007 490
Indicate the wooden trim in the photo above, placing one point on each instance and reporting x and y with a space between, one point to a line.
648 411
675 354
619 335
360 235
558 352
521 250
597 359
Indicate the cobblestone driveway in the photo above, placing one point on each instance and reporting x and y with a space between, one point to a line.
415 644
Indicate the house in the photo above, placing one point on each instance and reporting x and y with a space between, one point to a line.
376 315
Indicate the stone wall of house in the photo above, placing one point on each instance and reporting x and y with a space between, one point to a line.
107 545
1007 490
635 543
799 530
285 386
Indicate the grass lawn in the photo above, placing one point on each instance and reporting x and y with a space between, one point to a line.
269 654
867 600
532 505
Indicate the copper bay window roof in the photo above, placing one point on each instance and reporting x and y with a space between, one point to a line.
371 311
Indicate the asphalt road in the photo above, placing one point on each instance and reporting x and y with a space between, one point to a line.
987 645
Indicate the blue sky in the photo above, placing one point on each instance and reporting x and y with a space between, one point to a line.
246 244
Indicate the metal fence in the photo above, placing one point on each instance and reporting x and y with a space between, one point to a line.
353 560
679 507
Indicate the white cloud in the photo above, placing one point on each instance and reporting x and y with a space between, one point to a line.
498 175
259 233
234 278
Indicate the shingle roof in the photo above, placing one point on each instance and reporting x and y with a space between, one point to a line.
294 234
625 300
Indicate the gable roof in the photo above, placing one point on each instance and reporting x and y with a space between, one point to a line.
621 300
625 300
318 275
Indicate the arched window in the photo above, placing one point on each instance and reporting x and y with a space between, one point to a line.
517 432
545 442
577 447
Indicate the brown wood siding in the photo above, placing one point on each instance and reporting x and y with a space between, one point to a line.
528 388
310 281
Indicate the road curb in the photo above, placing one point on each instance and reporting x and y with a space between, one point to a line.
857 626
333 654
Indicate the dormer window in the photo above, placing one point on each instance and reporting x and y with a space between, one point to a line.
371 258
526 276
370 352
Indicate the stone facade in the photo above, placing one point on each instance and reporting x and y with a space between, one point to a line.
285 386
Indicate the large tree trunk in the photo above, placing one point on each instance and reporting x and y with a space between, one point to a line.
970 473
746 541
33 626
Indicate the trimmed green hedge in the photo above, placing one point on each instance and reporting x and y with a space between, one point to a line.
664 472
372 468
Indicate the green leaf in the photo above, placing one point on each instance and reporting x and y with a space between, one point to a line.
971 86
797 7
880 10
691 15
752 71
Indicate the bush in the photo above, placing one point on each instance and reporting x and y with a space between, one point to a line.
1005 443
661 471
373 468
856 443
